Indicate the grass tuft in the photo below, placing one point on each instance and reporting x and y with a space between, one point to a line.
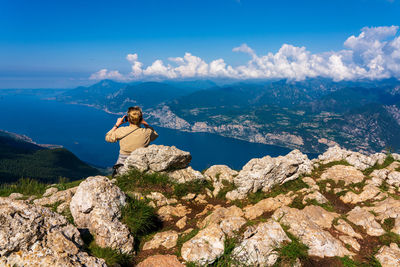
389 238
388 224
111 256
226 260
291 251
184 238
140 218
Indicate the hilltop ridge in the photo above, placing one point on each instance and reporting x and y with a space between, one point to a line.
340 209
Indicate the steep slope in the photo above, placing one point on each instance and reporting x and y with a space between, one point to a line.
20 157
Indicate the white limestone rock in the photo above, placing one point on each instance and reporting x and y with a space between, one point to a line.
308 225
32 235
205 247
264 173
96 206
358 160
156 158
185 175
259 244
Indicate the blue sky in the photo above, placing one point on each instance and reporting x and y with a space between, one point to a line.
57 44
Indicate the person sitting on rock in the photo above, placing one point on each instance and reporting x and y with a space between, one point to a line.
130 137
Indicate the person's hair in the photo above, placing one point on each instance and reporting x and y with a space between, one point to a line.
135 115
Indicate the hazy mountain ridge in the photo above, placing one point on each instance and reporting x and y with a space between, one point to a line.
307 115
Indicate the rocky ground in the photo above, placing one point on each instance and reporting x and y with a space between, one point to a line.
341 209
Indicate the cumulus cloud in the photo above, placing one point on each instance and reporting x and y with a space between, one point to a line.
373 54
106 74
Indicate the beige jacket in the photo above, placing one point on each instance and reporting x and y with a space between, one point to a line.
139 138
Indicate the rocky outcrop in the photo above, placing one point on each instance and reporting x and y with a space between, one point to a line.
185 175
161 260
165 239
35 236
157 158
205 247
96 206
53 196
309 226
259 244
366 220
264 173
358 160
347 174
389 256
219 175
266 205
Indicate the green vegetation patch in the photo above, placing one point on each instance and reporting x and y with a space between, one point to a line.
196 186
65 183
291 251
348 262
140 218
136 180
227 188
388 224
389 238
388 160
111 256
25 186
327 206
226 260
293 185
316 173
184 238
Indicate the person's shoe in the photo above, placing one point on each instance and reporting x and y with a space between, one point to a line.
116 167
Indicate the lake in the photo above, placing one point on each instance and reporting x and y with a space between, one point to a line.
82 130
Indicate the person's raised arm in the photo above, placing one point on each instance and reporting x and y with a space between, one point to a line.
111 136
154 134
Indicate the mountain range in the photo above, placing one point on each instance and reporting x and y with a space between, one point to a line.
309 115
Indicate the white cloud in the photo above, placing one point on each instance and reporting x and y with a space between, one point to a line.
106 74
373 54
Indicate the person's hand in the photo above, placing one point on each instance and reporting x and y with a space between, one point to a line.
120 121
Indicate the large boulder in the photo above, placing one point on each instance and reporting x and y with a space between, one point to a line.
96 206
35 236
358 160
259 244
264 173
156 158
